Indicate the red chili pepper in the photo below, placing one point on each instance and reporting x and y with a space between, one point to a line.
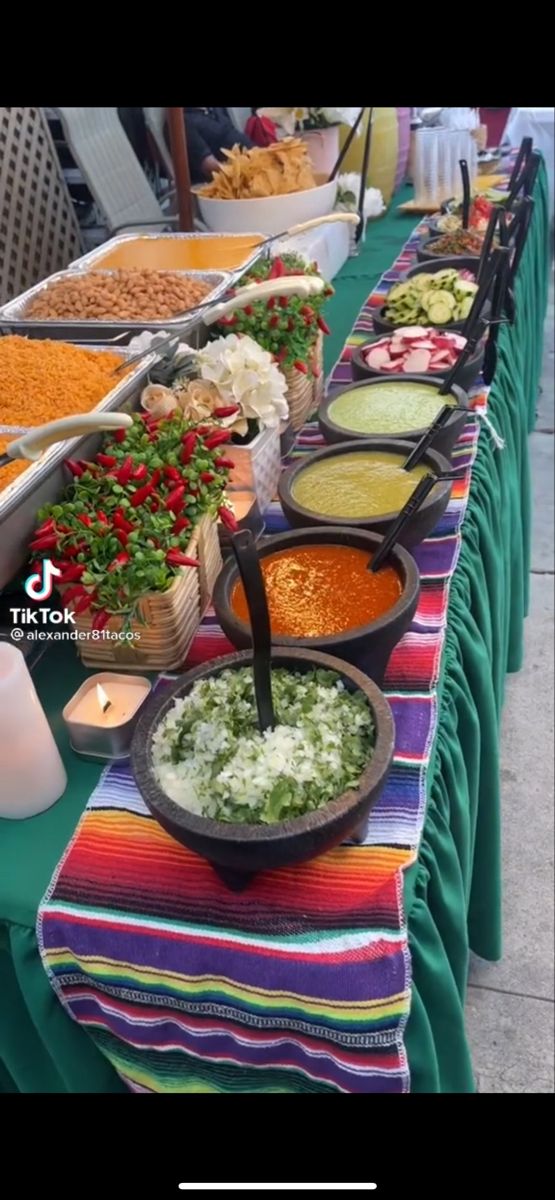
181 523
44 543
283 301
141 495
271 303
248 310
106 460
74 467
300 366
207 477
121 536
282 354
225 464
228 321
273 322
119 561
72 592
74 550
84 603
227 411
156 476
176 500
216 439
100 619
322 325
119 435
84 519
46 527
140 472
202 429
101 516
307 311
72 573
154 506
124 474
175 558
291 324
227 518
278 269
172 473
189 442
328 291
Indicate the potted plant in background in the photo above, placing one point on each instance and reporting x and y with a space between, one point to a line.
318 127
291 329
238 388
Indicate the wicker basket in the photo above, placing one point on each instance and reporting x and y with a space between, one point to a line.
169 620
303 392
257 466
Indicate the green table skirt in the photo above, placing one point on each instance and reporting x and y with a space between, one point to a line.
452 893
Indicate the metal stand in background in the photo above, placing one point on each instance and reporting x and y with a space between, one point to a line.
364 172
178 146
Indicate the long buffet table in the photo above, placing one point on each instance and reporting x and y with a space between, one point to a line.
427 882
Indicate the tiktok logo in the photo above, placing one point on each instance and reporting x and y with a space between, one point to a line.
40 586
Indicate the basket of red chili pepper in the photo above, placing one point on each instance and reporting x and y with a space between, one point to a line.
135 539
291 329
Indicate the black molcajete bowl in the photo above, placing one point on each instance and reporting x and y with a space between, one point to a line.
368 646
239 851
445 437
424 252
416 528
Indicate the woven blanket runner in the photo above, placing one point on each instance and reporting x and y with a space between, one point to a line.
301 983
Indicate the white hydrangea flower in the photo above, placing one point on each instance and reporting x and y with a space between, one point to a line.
340 116
246 374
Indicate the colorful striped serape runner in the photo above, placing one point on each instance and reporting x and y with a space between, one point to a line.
300 983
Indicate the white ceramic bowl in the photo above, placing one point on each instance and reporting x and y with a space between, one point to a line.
269 214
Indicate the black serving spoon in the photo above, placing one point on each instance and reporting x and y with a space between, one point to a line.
494 218
466 192
521 160
246 556
498 306
472 329
525 217
427 438
415 500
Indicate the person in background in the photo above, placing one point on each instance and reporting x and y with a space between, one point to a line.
209 132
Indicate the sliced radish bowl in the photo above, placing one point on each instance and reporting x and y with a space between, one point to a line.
414 350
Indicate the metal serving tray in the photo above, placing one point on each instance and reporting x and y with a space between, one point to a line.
13 319
44 480
95 257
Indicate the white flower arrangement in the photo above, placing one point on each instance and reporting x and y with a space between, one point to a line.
348 190
246 375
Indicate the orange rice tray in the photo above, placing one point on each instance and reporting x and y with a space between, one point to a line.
41 381
11 470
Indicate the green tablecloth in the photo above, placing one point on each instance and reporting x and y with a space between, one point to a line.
452 893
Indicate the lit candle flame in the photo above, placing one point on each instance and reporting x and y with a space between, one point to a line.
104 701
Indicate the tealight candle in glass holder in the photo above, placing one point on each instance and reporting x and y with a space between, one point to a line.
102 715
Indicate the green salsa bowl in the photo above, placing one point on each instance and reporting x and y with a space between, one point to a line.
376 407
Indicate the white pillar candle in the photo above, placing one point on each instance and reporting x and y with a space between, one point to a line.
32 775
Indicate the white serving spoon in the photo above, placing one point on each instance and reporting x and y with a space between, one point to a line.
32 444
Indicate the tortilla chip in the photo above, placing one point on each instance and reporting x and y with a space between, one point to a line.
275 170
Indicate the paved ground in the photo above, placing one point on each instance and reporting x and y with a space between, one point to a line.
510 1004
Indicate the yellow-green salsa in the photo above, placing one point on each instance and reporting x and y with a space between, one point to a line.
357 484
395 407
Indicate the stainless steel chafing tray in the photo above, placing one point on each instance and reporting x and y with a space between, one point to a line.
45 479
14 320
94 258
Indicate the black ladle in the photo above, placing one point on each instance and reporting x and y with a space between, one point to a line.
466 192
521 158
348 141
531 172
248 563
418 496
427 438
364 172
494 218
526 212
472 330
498 304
